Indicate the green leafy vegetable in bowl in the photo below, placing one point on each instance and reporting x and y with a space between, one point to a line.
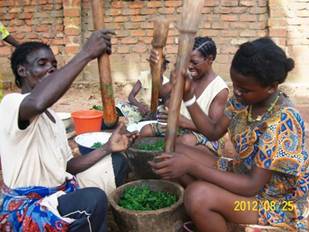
97 107
143 198
97 145
157 146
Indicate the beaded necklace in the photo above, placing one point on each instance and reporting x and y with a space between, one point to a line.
269 109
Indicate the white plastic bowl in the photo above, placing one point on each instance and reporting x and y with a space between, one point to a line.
85 141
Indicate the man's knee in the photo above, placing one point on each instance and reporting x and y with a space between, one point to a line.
97 199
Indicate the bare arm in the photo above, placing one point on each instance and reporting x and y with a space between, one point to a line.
51 88
119 141
216 111
176 165
11 40
135 90
213 126
83 162
245 185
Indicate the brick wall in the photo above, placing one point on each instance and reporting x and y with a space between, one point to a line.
66 24
288 25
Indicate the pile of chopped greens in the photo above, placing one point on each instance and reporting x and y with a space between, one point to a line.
97 145
97 107
142 198
157 146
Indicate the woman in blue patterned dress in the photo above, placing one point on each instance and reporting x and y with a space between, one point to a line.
269 182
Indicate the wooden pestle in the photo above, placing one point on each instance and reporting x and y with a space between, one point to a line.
109 111
188 26
160 33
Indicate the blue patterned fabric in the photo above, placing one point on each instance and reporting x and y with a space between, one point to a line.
21 209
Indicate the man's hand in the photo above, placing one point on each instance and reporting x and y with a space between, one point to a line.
171 165
99 43
120 139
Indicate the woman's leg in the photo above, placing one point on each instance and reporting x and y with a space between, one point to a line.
88 206
120 166
187 139
205 157
210 207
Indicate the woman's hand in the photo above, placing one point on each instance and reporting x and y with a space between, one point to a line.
171 165
153 57
120 139
188 91
162 114
99 43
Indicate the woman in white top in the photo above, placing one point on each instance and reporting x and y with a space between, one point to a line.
210 91
40 190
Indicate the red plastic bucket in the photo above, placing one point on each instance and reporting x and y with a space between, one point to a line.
87 121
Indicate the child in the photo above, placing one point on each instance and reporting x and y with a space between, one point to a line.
269 183
136 110
211 93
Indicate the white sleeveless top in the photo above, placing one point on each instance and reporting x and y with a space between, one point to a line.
35 156
206 98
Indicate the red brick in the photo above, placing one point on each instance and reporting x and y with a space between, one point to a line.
147 25
129 40
171 49
122 49
229 2
57 42
130 11
40 28
119 19
173 3
130 25
248 18
113 12
137 18
71 49
260 10
118 4
148 11
220 25
278 32
153 4
139 48
136 5
169 10
222 10
71 12
72 31
247 2
137 33
29 9
212 3
248 33
229 17
15 10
